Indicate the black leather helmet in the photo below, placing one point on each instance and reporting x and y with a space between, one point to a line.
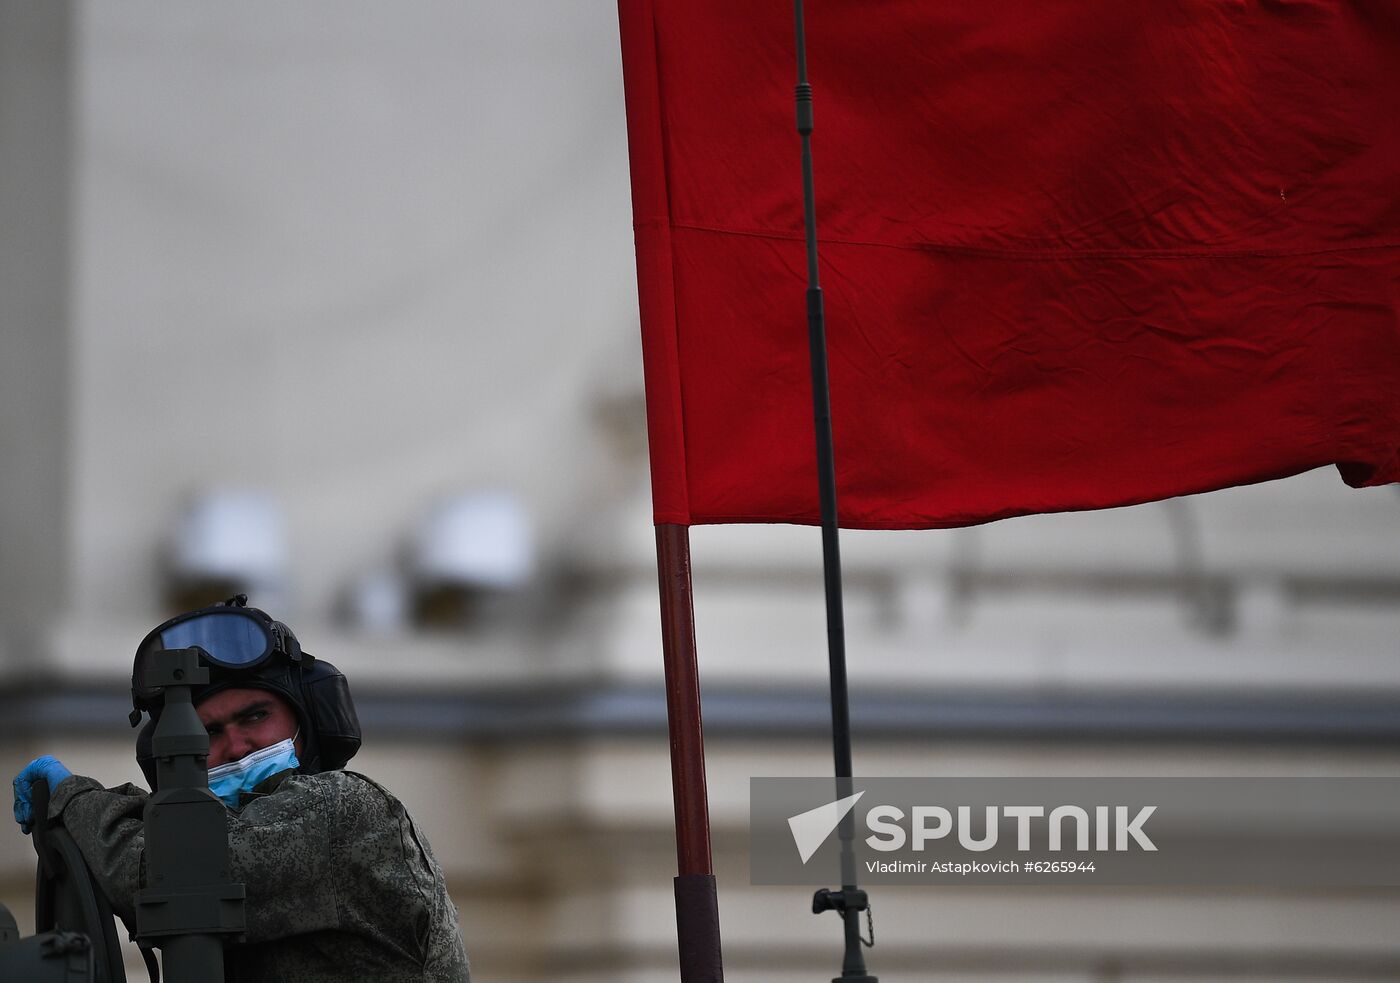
245 648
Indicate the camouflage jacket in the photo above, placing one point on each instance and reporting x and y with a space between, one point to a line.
341 884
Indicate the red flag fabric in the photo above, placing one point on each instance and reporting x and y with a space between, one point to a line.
1074 255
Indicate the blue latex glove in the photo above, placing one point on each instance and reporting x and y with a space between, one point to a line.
51 770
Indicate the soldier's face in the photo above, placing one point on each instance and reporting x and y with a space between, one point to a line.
241 721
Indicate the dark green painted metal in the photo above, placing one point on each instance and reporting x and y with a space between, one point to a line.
191 905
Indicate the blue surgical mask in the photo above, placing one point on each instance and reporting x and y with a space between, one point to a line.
230 780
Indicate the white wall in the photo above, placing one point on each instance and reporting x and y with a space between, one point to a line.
355 254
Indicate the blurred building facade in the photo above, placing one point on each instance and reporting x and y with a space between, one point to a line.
355 261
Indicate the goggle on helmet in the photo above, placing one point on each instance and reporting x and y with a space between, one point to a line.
234 640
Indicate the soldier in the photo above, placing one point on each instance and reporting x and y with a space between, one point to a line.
341 884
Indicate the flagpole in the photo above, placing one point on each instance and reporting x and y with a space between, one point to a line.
697 907
850 901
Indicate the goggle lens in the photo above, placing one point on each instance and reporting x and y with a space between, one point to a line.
230 639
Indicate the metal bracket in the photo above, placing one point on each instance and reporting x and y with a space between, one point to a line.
844 901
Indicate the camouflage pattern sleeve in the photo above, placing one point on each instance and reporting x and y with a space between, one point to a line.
340 886
333 850
106 826
340 882
280 849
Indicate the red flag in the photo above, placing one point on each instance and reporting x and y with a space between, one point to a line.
1074 255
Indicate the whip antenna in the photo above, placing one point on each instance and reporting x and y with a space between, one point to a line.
850 901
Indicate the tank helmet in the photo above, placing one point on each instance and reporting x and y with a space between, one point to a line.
245 647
